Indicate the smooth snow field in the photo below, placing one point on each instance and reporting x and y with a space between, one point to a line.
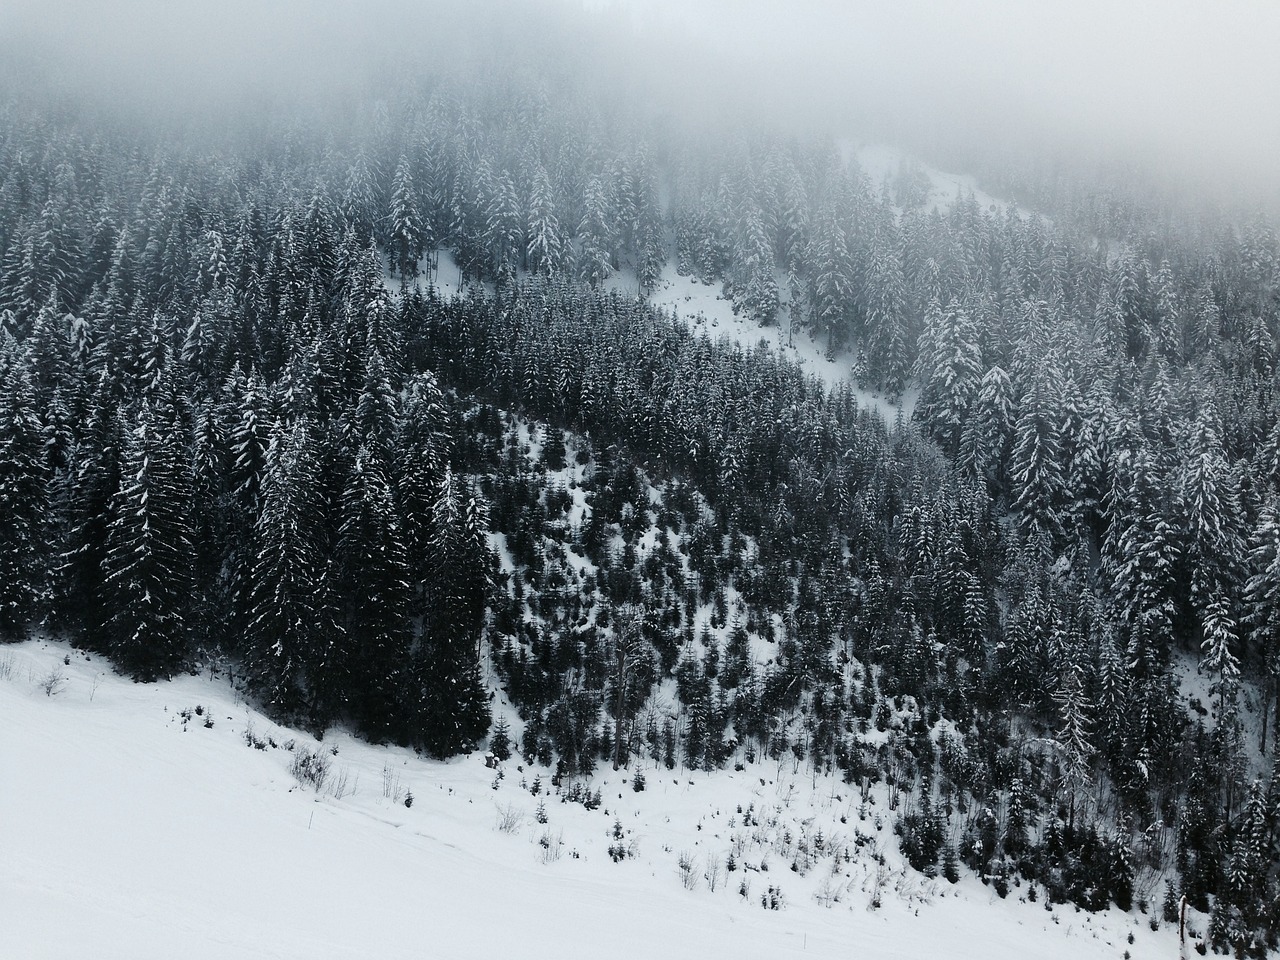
130 829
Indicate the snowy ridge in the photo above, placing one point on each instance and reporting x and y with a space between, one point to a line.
146 812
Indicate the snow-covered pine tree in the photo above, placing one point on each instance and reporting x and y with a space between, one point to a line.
888 357
833 286
950 364
291 623
988 432
23 497
1036 471
375 594
595 235
146 574
1262 609
545 250
408 233
1214 527
451 709
360 197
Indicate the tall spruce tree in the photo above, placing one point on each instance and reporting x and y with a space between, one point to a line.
23 496
146 575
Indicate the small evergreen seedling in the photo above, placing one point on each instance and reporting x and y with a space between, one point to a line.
951 865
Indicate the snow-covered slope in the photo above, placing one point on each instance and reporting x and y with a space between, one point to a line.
880 162
707 310
140 821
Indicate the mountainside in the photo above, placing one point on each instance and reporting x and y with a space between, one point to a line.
500 406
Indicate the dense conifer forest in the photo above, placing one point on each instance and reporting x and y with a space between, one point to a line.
240 425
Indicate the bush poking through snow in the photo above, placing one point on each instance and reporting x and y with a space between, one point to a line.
251 739
509 819
341 784
688 875
552 845
714 872
619 848
52 682
310 769
6 666
392 787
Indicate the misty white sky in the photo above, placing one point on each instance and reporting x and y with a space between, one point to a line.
1183 81
1188 84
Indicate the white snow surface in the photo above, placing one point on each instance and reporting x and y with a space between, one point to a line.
130 829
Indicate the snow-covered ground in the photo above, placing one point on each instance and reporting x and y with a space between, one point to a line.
130 827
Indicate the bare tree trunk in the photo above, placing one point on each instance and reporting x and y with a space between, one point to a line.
1275 711
1182 921
617 736
621 683
1267 695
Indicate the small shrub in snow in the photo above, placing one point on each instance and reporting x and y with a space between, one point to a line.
827 894
252 739
392 788
509 819
577 793
772 898
637 782
341 784
541 813
52 682
552 845
619 848
408 799
310 769
951 864
688 876
6 666
713 873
